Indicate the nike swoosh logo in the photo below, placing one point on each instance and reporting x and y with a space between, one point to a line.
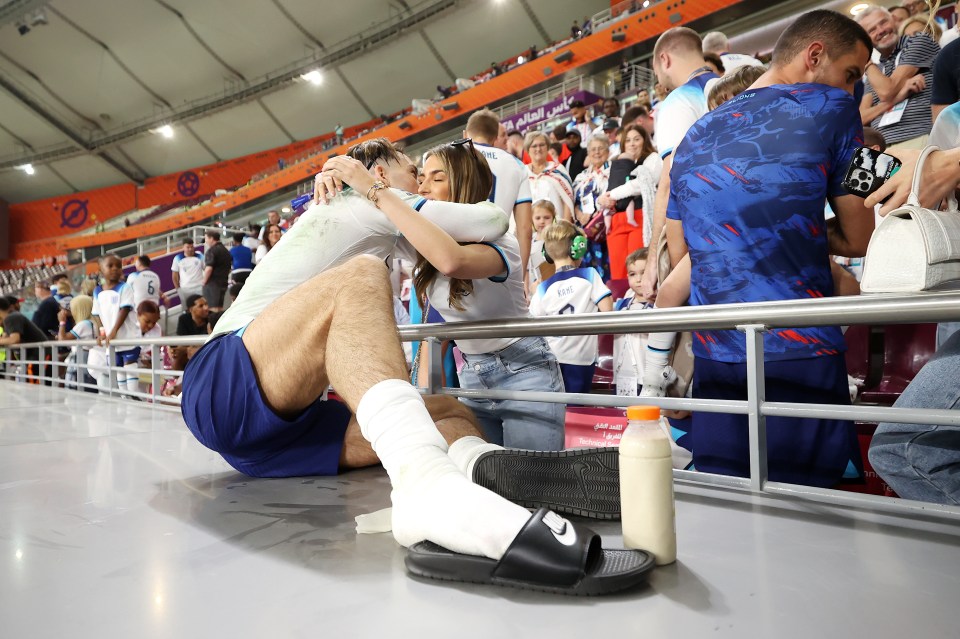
579 471
560 528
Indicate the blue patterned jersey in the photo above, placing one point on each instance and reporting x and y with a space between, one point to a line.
749 182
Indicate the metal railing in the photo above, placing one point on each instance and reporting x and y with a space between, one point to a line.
752 319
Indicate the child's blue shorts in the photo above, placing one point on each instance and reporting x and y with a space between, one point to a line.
225 410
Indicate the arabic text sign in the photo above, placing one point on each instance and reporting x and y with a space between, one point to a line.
551 110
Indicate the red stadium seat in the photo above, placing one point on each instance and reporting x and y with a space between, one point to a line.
907 347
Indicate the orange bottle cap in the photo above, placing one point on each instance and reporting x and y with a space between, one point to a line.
643 413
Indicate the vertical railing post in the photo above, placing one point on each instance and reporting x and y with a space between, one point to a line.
435 362
112 372
154 378
756 395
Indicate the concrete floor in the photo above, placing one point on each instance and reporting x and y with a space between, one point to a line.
114 522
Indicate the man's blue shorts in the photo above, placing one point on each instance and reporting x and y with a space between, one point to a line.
225 410
812 452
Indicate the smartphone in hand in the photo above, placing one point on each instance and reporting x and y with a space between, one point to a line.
868 170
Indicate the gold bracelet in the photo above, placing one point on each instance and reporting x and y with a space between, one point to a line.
372 192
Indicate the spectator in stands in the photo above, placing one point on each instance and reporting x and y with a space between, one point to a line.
77 372
242 259
495 69
680 68
571 290
632 201
897 102
148 318
946 79
640 115
501 142
920 461
218 262
515 144
915 7
114 316
64 292
544 214
899 14
575 31
252 239
13 301
578 154
474 282
17 329
45 317
611 110
611 131
273 217
195 320
511 188
629 349
714 62
338 133
558 135
716 42
146 283
586 27
533 54
588 214
643 99
187 271
87 286
816 64
548 180
580 121
272 234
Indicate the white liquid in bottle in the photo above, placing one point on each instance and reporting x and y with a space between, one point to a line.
646 486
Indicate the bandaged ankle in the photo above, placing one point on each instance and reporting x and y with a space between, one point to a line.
465 451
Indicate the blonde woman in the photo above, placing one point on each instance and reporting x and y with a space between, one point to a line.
81 308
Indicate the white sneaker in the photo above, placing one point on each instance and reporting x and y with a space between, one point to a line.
657 385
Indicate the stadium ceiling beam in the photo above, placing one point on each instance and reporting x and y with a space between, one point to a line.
356 45
72 135
14 10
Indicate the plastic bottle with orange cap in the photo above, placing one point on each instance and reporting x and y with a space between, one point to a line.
646 486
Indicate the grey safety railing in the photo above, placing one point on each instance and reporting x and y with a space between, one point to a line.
40 363
752 319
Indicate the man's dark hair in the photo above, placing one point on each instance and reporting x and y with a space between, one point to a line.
11 300
188 240
372 151
838 33
560 132
613 99
513 133
255 229
59 276
872 137
148 306
5 303
112 256
213 235
636 111
144 261
715 59
238 238
191 300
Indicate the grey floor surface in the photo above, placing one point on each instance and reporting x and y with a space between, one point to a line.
115 522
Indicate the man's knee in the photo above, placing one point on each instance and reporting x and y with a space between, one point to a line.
442 407
367 268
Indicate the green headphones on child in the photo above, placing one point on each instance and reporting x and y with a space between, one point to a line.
578 248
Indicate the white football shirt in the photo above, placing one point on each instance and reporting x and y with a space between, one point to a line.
190 270
571 292
107 304
510 184
330 234
146 286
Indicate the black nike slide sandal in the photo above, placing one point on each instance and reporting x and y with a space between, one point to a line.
583 481
549 554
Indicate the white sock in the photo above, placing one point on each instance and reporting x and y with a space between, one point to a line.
432 500
465 451
657 356
132 381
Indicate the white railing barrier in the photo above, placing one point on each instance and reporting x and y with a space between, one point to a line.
752 319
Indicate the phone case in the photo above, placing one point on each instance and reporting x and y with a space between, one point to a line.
868 170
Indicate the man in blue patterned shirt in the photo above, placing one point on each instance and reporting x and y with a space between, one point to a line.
748 188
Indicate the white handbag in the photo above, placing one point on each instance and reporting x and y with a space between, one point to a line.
914 248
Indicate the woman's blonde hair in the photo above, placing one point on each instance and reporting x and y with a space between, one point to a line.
88 286
927 25
64 287
81 307
558 239
471 181
533 135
